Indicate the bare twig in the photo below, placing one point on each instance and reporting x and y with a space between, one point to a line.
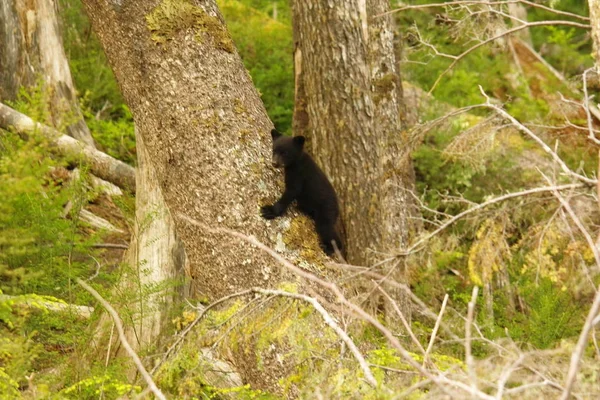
485 3
589 321
535 138
417 245
402 318
502 34
468 323
435 329
123 338
439 379
110 246
187 330
586 101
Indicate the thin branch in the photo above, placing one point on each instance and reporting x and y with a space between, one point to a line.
535 138
123 338
439 379
416 246
110 246
435 329
468 324
589 321
329 321
402 318
187 330
507 32
588 114
485 3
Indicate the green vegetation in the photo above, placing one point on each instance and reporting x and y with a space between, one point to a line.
520 252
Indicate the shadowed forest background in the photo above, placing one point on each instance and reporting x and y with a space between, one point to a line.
490 291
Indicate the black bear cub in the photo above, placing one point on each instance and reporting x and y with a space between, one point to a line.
308 185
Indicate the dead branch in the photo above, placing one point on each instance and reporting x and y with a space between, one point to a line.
417 246
468 324
98 222
484 3
594 309
435 329
471 49
329 321
123 339
37 301
535 138
101 164
402 318
438 379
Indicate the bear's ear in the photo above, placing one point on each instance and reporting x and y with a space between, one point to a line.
299 141
275 134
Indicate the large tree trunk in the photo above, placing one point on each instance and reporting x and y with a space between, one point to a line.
30 49
205 136
348 84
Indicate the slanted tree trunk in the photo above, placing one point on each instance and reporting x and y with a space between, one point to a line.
348 103
30 49
205 136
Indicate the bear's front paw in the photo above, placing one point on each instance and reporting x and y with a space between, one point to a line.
268 212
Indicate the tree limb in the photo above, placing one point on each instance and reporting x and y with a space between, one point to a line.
136 359
101 164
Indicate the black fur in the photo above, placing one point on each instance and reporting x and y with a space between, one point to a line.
308 185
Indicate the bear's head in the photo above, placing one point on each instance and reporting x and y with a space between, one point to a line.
286 150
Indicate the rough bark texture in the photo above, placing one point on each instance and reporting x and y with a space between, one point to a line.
31 49
206 136
595 23
101 164
352 92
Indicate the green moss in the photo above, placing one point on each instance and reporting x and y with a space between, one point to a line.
173 16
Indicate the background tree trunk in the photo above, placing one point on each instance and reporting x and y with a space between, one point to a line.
348 74
30 49
595 23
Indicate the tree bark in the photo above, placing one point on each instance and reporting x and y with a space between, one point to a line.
348 74
101 164
30 49
595 23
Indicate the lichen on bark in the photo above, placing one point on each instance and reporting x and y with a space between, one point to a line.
172 16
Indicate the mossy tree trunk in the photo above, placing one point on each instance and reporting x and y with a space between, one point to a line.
31 49
348 101
206 137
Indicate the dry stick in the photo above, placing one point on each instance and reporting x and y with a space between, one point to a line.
101 164
468 354
589 321
508 32
506 374
486 3
128 348
184 333
437 379
586 100
536 139
471 210
402 318
435 329
332 324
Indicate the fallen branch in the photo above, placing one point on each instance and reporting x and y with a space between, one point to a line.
437 378
123 338
36 301
101 164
